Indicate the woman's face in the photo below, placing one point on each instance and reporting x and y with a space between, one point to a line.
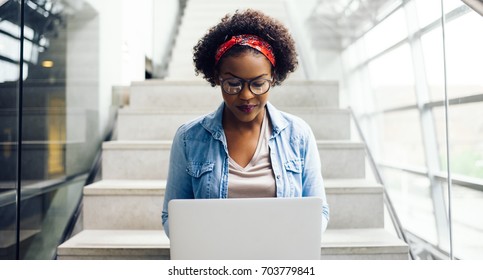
245 106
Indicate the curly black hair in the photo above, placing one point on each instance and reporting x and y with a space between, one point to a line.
251 22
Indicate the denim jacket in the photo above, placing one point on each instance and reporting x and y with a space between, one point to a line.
198 165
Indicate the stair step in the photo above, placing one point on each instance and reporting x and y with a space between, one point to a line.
347 244
355 203
362 244
154 124
115 245
124 204
151 124
148 160
135 160
137 204
200 96
342 159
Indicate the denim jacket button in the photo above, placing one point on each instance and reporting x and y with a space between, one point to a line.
278 177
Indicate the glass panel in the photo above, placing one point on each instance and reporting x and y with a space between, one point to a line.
400 138
464 59
430 10
467 223
464 56
392 79
9 47
9 89
60 121
450 5
44 233
10 24
8 73
399 133
411 198
432 43
352 56
466 138
390 31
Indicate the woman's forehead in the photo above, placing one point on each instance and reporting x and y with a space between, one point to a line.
246 65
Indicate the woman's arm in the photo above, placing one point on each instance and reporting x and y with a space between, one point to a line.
312 181
178 185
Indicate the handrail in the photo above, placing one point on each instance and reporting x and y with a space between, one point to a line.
387 200
460 180
409 169
424 245
32 190
477 97
476 5
93 172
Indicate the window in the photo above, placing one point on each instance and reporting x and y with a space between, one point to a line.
392 79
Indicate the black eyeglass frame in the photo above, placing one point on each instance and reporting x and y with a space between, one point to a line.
249 82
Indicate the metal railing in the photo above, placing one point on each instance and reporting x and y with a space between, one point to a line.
476 5
460 180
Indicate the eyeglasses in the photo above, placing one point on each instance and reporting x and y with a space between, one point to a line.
234 86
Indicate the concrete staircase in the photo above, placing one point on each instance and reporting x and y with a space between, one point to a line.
122 213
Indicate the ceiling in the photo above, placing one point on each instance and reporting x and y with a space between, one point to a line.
334 24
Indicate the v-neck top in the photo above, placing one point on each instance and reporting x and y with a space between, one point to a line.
257 178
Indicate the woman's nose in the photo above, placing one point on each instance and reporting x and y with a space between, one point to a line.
245 93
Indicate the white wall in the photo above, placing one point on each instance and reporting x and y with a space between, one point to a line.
137 37
83 127
110 18
165 15
125 32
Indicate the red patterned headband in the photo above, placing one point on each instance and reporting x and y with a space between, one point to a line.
246 40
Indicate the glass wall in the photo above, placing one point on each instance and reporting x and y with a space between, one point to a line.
9 105
54 102
400 75
465 92
63 101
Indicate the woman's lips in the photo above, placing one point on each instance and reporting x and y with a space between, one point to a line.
246 108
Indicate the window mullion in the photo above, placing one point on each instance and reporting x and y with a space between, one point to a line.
427 125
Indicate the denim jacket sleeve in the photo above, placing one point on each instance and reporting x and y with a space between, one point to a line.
178 184
313 184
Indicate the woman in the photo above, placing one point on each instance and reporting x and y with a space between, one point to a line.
246 148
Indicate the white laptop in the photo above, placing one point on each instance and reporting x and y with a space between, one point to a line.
254 228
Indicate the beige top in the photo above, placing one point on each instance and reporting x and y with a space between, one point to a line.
256 179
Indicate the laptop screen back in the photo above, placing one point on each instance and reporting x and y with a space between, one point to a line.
255 228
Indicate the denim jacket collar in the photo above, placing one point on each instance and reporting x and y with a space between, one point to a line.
213 122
